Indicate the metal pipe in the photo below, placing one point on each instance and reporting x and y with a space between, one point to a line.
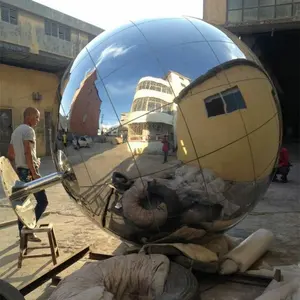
24 189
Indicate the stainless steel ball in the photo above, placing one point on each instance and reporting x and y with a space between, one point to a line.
171 126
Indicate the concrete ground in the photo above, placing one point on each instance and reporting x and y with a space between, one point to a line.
279 211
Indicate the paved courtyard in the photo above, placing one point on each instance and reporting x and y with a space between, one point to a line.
279 211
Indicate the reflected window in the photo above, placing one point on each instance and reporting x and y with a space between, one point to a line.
9 14
154 86
214 106
233 100
151 104
225 102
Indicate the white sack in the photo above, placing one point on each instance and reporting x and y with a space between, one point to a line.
250 250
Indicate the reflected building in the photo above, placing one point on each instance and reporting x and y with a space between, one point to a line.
85 108
153 112
242 116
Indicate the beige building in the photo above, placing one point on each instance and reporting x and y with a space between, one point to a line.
36 44
271 29
240 120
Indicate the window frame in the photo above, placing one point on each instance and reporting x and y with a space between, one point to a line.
220 95
293 4
10 9
55 29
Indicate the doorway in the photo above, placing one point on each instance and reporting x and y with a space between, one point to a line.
279 53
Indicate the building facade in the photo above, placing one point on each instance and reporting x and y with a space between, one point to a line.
36 46
153 113
271 29
257 12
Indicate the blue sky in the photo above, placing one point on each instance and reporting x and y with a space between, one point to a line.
150 49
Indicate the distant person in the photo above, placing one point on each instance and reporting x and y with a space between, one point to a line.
22 154
64 136
283 167
125 135
165 148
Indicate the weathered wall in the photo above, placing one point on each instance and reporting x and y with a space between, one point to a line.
214 11
16 88
30 32
52 14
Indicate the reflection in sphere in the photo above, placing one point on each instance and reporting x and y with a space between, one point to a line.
169 131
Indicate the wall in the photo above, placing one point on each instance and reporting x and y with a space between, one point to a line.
85 108
221 142
30 32
52 14
214 11
16 88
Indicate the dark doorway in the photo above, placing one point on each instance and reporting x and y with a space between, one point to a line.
5 130
279 53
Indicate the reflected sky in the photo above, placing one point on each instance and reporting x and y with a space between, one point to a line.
150 48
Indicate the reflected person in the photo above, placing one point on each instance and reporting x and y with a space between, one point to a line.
165 148
22 155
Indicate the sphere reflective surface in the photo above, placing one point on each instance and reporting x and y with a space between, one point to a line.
168 124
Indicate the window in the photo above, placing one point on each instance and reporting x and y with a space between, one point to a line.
225 102
235 4
250 3
283 11
9 14
155 86
57 30
258 10
297 10
151 104
214 106
267 13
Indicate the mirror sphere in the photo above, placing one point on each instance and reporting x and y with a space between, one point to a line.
170 125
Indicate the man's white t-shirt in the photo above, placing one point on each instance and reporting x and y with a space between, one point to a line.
23 133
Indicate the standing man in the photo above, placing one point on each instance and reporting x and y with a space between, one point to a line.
165 148
22 155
